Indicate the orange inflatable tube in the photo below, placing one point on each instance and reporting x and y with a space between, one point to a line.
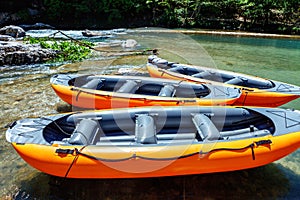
125 162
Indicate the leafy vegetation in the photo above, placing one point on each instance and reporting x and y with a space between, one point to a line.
250 15
67 50
256 15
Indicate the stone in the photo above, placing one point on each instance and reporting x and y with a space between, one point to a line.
130 43
103 34
13 31
16 53
6 38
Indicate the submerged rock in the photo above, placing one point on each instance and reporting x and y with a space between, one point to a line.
16 53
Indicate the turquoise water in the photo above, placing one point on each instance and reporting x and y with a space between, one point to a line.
25 91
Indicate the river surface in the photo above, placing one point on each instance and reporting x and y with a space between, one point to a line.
25 92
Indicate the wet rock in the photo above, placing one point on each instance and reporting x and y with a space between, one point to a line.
107 33
13 31
16 53
130 43
132 72
6 38
88 33
62 107
119 31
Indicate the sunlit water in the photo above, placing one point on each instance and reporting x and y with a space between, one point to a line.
25 91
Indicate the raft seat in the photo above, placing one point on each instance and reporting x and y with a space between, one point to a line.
178 68
129 86
161 63
95 84
204 74
145 129
87 132
167 91
235 81
205 127
260 83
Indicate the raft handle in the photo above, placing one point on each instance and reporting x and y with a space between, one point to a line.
64 151
11 125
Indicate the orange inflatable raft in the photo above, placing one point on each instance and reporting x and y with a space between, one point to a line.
103 91
255 91
155 141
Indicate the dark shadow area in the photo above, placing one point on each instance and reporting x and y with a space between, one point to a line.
294 182
267 182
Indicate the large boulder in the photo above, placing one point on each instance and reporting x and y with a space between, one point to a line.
13 31
16 53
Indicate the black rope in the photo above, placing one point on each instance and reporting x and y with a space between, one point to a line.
245 98
104 159
77 96
252 151
68 151
78 152
252 145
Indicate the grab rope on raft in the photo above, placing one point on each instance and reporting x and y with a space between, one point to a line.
77 153
252 146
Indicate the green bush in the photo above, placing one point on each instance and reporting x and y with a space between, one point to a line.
68 50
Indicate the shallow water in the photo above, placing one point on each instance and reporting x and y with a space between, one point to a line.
25 91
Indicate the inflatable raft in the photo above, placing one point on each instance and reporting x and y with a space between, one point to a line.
103 91
255 91
155 141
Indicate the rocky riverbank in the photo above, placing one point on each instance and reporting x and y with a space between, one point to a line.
62 45
14 52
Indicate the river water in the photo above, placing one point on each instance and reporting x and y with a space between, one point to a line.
25 92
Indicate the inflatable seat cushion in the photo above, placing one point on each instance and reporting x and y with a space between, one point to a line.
86 132
205 127
167 91
95 84
129 86
145 129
